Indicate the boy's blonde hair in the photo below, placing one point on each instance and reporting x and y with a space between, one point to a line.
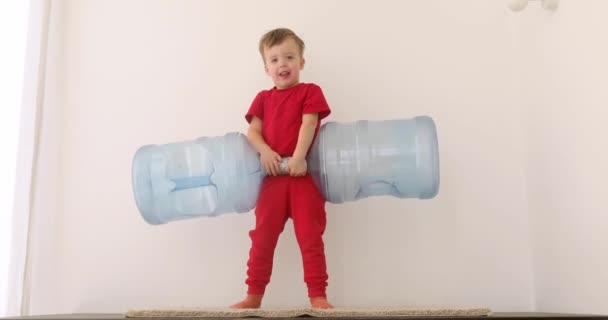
276 37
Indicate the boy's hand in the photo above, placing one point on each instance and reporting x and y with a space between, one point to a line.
271 161
296 167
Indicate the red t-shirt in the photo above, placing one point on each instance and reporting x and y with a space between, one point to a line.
281 114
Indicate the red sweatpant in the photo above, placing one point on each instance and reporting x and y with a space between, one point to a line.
283 197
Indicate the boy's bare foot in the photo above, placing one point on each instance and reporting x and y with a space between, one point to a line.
320 303
251 302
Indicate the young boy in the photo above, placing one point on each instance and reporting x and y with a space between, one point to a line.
283 122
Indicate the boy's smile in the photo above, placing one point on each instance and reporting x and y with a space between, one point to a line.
283 63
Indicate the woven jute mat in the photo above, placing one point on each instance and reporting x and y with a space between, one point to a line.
309 312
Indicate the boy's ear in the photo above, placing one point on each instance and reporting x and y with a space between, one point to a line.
302 63
266 69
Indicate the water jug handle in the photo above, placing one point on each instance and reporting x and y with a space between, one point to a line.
377 188
283 167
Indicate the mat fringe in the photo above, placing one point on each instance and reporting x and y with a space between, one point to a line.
298 312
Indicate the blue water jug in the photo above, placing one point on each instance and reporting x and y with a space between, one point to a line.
351 161
348 161
204 177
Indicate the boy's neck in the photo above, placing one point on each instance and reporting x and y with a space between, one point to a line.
294 85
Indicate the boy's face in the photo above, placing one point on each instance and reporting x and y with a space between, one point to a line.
283 63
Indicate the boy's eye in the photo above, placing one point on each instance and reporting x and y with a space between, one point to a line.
289 57
273 60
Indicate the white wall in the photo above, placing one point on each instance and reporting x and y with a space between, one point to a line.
566 72
129 73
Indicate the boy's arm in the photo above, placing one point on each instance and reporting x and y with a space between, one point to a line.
306 134
297 164
270 160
